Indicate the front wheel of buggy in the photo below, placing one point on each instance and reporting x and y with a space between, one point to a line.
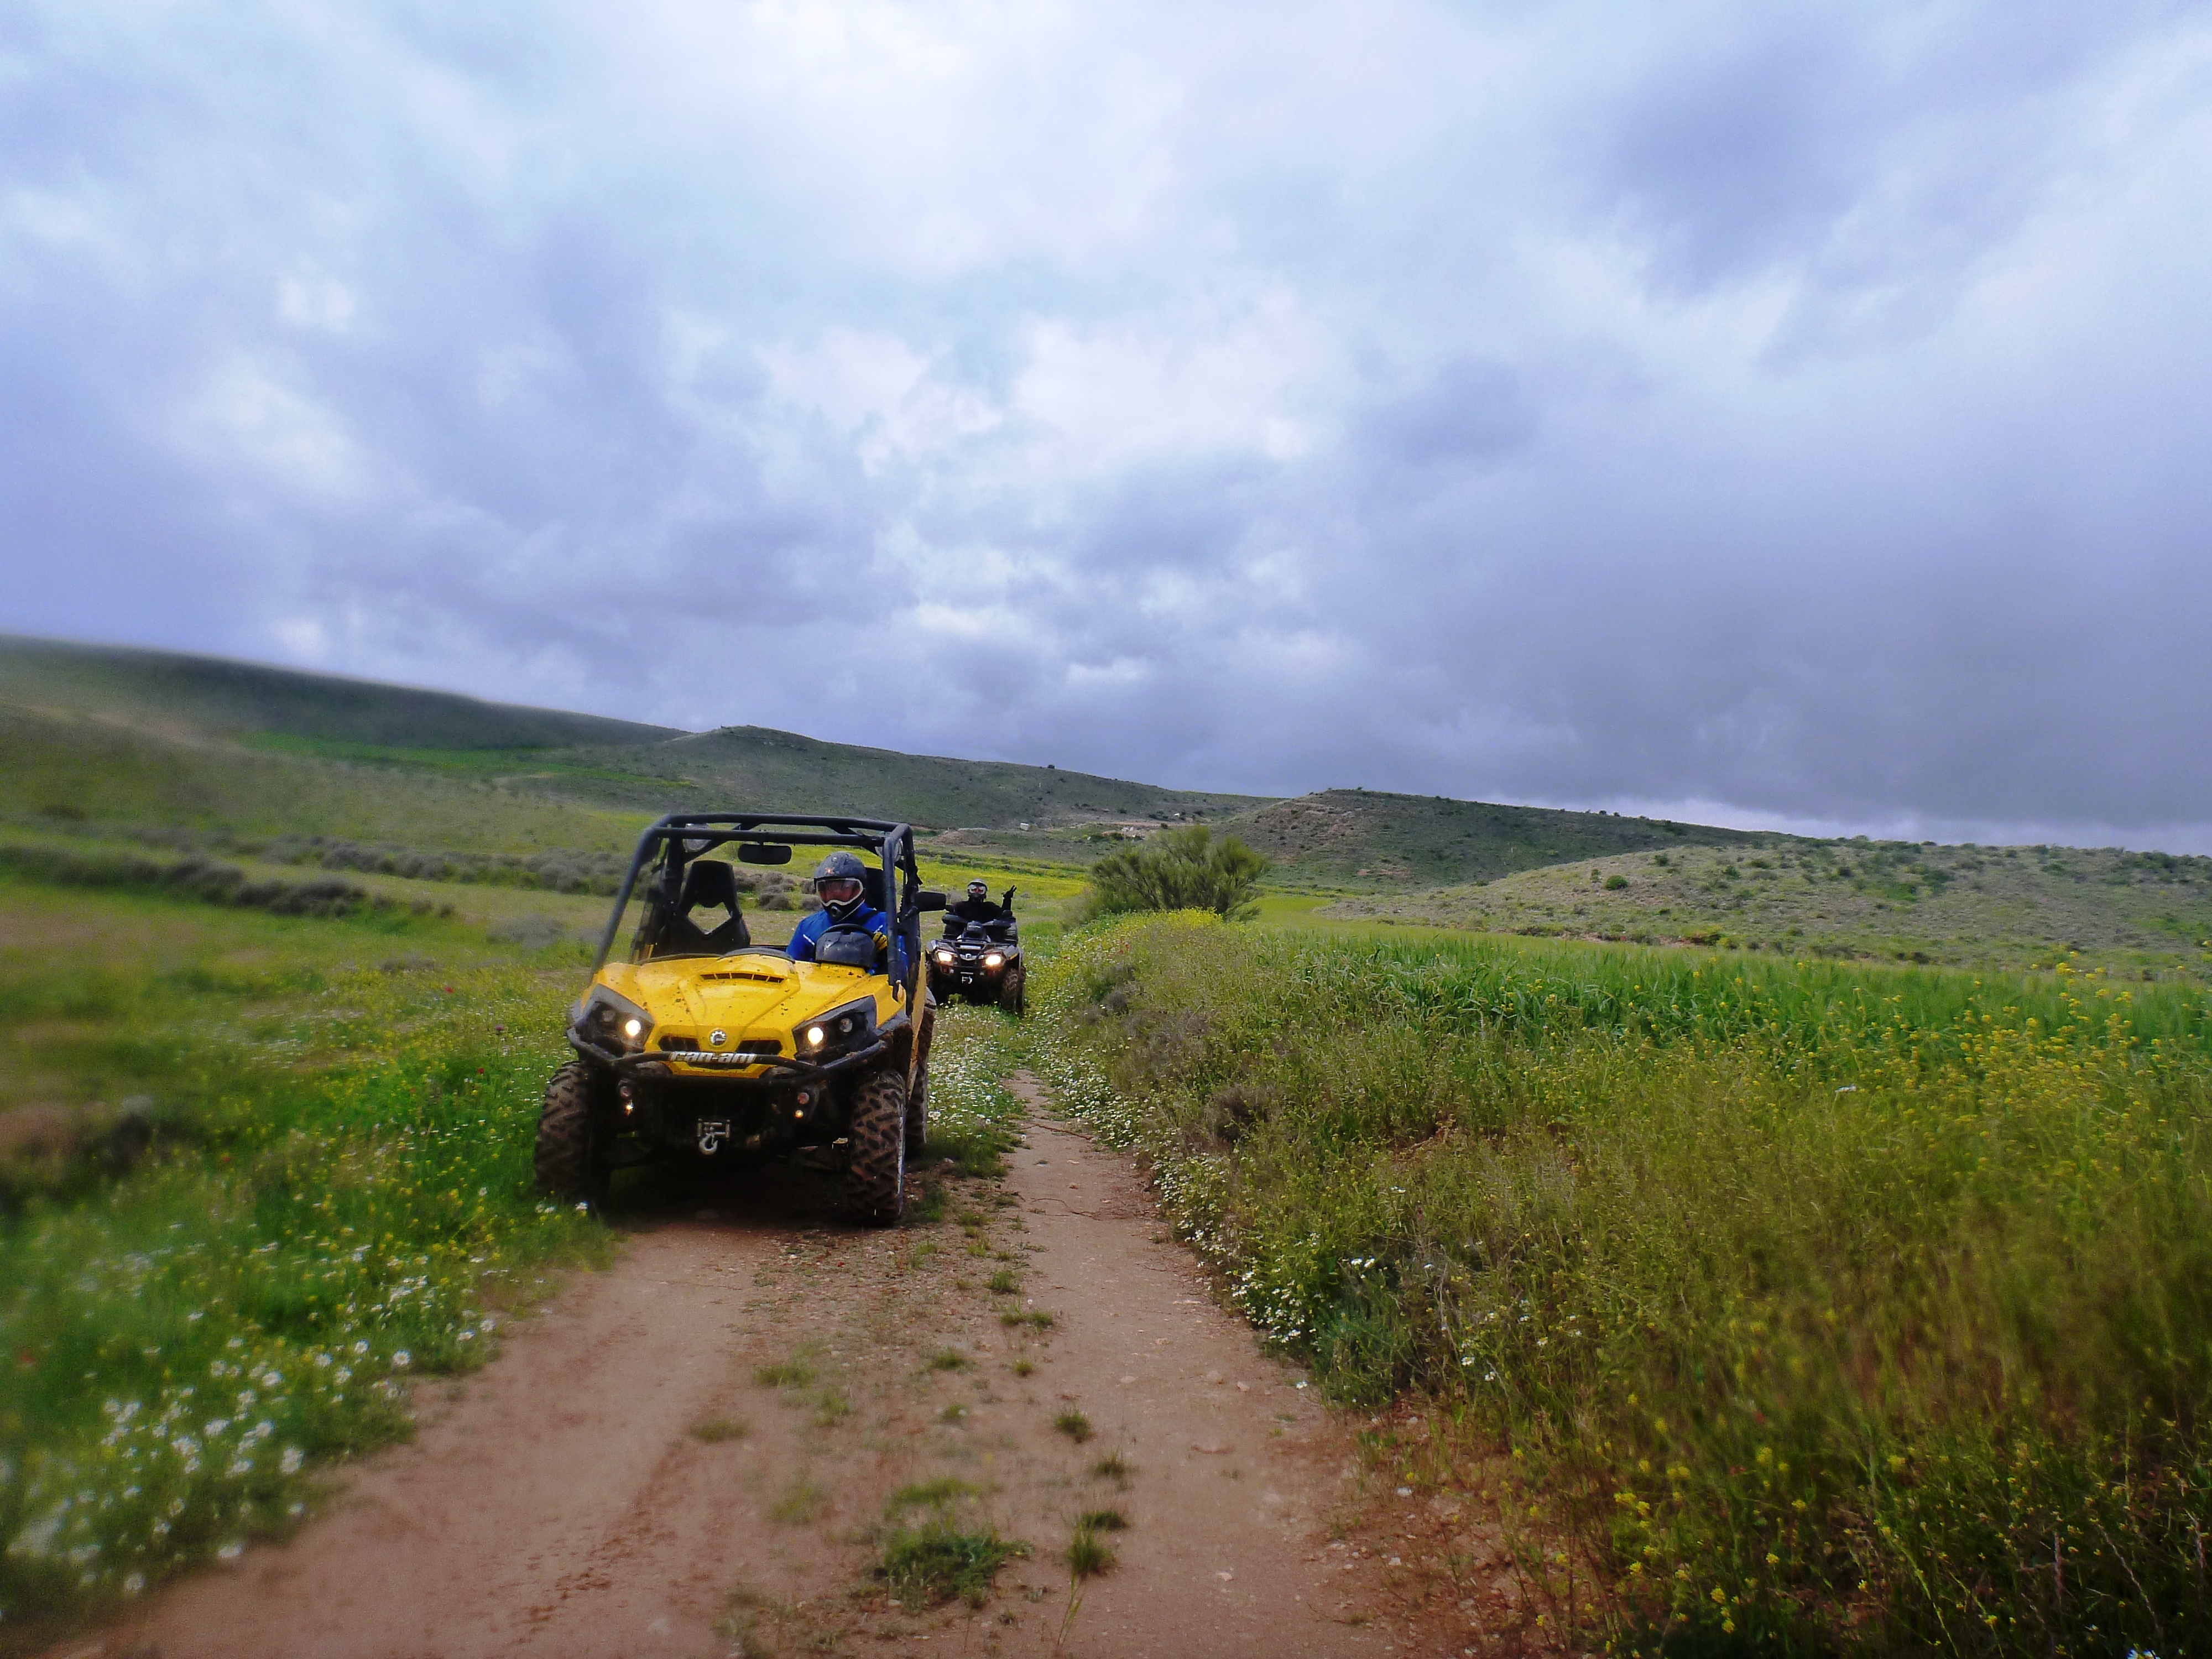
875 1181
570 1159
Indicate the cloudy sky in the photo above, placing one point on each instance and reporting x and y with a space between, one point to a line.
1785 413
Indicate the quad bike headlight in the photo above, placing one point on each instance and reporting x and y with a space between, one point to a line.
993 960
841 1028
944 956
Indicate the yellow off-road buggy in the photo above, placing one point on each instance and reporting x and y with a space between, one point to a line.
705 1046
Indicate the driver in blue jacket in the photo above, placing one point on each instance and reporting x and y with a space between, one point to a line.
837 883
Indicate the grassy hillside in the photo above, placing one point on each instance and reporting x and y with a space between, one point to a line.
1426 841
68 767
782 769
212 694
241 736
1966 906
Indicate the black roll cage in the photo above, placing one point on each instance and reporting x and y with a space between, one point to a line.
891 842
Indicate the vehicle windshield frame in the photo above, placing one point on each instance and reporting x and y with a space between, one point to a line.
892 844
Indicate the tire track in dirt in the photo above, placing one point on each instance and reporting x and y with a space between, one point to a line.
559 1502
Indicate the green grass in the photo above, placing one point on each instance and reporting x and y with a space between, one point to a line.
717 1429
1088 1554
797 1372
1807 1299
801 1502
947 1359
973 1122
939 1493
942 1561
338 1200
1074 1425
943 1556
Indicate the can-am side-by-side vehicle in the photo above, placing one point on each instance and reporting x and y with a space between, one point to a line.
703 1045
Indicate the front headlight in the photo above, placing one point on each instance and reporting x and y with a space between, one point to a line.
616 1021
944 956
993 960
841 1028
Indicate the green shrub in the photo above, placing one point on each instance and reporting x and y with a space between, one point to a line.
1185 869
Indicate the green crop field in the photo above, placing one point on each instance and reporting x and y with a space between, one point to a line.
1773 1307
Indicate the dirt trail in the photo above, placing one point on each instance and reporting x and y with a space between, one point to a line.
564 1502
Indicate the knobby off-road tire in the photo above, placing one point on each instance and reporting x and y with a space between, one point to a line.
875 1181
1014 992
571 1158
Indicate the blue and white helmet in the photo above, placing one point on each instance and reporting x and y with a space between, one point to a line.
841 882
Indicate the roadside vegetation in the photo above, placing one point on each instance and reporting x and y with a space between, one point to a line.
329 1196
1784 1306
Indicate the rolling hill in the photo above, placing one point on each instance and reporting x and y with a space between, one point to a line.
1369 838
112 734
216 696
1967 907
271 763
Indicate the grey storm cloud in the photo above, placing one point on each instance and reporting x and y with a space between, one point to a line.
1795 413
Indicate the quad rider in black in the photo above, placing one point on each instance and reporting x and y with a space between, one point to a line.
977 907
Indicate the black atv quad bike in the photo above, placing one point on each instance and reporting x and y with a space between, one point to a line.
982 961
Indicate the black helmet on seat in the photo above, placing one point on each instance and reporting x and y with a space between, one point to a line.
841 882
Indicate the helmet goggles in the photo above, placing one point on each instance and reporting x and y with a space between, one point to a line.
838 890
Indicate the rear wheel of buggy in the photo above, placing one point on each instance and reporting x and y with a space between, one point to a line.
875 1179
571 1159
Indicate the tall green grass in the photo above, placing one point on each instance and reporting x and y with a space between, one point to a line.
1817 1307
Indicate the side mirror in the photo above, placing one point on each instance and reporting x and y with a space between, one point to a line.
929 899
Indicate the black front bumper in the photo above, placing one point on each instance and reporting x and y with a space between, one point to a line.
783 1071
